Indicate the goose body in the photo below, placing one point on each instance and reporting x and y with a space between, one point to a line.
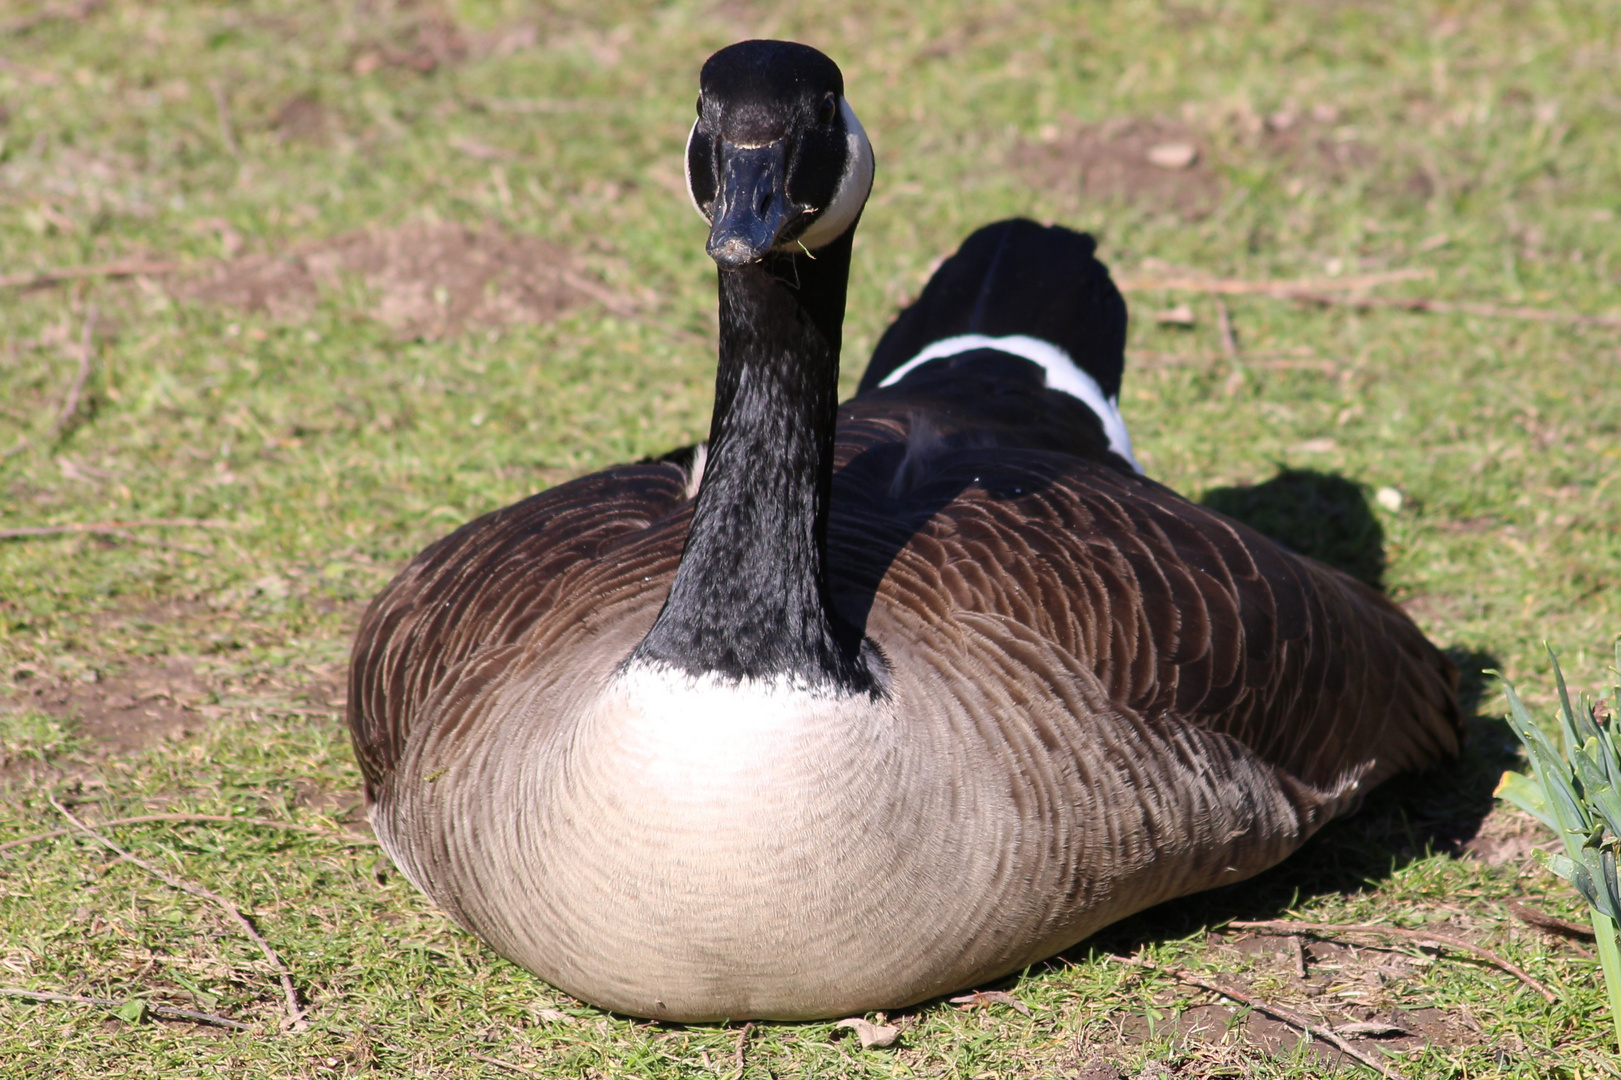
865 703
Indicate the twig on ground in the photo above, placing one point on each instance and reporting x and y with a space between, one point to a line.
222 107
1264 361
1182 974
109 1003
70 404
139 819
1297 953
742 1046
77 12
1323 293
114 527
120 268
1239 287
1486 311
160 544
295 1012
1551 923
1224 324
1422 937
1229 350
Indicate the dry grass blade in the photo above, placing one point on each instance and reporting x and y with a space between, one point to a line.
222 108
1224 323
120 268
70 404
502 1063
113 527
1315 1031
34 838
986 998
1422 937
742 1046
109 1003
295 1012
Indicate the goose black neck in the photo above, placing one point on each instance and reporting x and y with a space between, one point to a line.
750 597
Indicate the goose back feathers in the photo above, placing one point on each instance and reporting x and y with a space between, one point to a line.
917 690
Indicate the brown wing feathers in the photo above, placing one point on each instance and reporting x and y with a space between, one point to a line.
1184 615
484 586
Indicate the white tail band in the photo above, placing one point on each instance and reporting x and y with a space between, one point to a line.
1063 374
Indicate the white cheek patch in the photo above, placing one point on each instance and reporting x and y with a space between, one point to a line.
851 194
686 164
1063 374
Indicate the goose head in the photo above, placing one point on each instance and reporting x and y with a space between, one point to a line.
776 159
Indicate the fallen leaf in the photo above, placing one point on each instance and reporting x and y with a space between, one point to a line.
480 150
1180 315
1372 1029
870 1034
987 998
552 1016
1173 155
1317 446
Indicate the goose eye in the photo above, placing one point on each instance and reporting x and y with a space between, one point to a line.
830 105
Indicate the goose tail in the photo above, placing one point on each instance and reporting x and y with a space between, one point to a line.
1033 291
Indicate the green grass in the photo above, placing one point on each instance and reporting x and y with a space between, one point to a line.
1475 140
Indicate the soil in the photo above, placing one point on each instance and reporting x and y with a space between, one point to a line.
1343 985
1509 835
1110 162
425 280
133 702
1114 161
126 712
1314 144
302 120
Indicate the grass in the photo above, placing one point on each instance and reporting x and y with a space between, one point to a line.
1476 141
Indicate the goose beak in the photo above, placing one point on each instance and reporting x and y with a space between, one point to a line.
751 206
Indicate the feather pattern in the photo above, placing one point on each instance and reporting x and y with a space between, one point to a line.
1100 697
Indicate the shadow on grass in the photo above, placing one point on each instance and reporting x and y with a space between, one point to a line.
1319 514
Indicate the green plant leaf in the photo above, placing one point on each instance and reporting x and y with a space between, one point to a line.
1575 873
1525 792
1551 772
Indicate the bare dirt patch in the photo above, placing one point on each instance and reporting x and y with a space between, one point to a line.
1312 142
424 280
419 37
1161 165
302 119
1508 835
125 712
126 702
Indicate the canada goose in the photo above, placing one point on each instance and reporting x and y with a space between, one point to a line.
867 702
